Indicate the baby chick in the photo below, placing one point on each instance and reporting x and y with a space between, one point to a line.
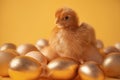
69 39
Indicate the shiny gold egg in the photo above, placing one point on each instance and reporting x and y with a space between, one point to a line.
101 51
25 48
41 43
90 71
62 69
12 51
110 49
117 45
100 47
111 65
5 58
24 68
7 46
38 56
49 53
99 44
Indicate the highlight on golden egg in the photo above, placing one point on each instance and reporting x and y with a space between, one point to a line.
111 64
41 43
24 68
90 71
62 69
7 46
49 53
38 56
25 48
5 58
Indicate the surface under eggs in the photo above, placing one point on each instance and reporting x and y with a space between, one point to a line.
39 62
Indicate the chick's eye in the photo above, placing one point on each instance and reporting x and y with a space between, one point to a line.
66 18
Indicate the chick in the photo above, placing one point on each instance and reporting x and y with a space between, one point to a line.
69 39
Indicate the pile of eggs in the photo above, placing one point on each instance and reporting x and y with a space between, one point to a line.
40 62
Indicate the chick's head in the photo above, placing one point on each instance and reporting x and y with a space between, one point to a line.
66 18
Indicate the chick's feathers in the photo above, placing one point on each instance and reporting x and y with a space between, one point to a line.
72 40
71 43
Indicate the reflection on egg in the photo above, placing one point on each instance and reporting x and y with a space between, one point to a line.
111 64
6 46
24 68
25 48
5 58
90 71
62 68
38 56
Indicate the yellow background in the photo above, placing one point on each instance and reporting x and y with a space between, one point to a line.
26 21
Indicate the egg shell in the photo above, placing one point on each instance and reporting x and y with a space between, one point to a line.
5 58
99 44
24 68
111 64
110 49
41 43
7 46
38 56
117 45
90 71
62 69
25 48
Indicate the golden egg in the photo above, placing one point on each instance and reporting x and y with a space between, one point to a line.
99 44
90 71
41 59
111 65
41 43
24 68
102 53
25 48
38 56
7 46
110 49
49 53
100 47
12 51
5 58
62 69
117 45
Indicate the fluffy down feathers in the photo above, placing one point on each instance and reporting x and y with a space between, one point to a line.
69 39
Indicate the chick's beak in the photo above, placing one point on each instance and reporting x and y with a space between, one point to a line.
58 23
